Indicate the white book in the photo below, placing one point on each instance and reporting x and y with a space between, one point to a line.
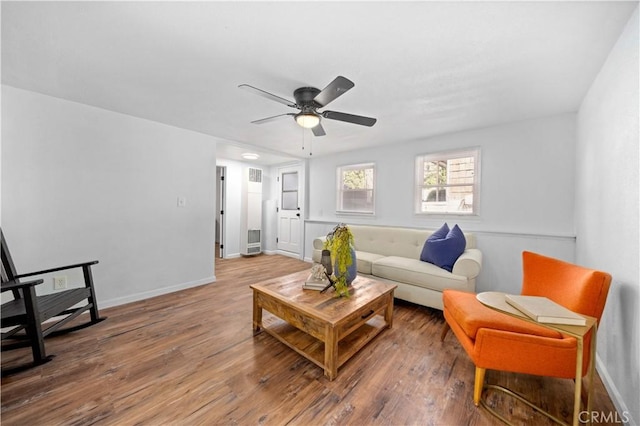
544 310
314 284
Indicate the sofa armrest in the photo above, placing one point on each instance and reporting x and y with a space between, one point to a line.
468 264
318 243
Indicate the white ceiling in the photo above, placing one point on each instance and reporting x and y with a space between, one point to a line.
420 68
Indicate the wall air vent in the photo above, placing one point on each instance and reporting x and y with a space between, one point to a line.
253 236
251 212
255 175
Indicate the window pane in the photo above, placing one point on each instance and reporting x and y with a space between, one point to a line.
461 171
457 199
290 181
357 200
356 188
434 194
435 172
447 182
290 200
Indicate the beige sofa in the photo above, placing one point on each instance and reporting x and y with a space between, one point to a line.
392 255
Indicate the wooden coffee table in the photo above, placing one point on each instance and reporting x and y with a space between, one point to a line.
325 329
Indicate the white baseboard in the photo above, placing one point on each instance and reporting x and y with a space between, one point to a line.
156 292
624 415
288 254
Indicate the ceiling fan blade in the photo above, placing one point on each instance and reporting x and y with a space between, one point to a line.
349 118
336 88
272 118
318 130
267 95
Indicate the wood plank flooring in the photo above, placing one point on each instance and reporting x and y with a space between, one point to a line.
189 358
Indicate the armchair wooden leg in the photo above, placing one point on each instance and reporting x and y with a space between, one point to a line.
478 385
33 327
88 282
445 330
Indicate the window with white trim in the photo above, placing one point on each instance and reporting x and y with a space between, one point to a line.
448 182
356 188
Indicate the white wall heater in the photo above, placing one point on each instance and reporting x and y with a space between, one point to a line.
251 212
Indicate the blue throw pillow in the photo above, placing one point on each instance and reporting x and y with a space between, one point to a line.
440 234
446 251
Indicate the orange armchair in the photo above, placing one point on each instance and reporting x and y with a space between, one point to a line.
495 340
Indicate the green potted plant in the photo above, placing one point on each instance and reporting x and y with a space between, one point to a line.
340 243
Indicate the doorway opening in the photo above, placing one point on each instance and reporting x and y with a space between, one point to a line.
221 171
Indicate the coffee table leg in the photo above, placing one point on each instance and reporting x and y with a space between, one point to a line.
388 313
331 353
257 314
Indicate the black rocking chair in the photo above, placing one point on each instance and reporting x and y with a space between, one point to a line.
27 312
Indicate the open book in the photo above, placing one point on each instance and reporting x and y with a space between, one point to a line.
544 310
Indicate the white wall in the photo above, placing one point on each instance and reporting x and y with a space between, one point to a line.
82 183
527 185
607 212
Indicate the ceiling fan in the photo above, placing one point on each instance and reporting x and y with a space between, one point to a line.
308 100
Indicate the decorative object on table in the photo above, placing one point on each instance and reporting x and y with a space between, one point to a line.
327 265
339 242
317 280
318 273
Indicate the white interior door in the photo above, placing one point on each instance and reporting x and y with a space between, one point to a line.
289 220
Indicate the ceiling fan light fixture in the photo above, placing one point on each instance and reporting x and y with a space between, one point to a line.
308 100
307 120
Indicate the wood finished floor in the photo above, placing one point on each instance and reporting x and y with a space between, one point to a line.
190 358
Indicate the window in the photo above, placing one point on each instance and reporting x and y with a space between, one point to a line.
289 191
356 188
448 182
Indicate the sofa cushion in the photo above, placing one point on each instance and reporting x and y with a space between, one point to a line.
418 273
365 260
439 234
444 252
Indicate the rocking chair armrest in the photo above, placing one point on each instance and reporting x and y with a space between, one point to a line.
15 284
60 268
